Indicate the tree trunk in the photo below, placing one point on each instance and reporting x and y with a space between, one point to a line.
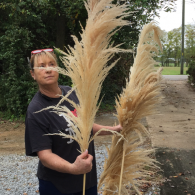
60 32
186 63
175 60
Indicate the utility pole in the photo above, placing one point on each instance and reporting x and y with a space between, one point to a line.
183 29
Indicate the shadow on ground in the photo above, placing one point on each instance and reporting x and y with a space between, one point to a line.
179 170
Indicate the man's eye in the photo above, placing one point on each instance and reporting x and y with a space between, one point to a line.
41 66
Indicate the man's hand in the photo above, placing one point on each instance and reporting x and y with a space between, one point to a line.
82 164
117 128
97 127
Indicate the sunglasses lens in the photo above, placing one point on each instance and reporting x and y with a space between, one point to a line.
36 51
40 50
49 50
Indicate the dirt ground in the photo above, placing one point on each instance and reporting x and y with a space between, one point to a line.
173 127
11 138
172 131
173 135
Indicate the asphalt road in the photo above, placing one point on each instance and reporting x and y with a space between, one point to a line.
179 169
175 77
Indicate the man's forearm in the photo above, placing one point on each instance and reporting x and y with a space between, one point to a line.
97 127
81 165
54 162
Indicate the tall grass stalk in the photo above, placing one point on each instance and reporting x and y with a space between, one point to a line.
127 158
86 65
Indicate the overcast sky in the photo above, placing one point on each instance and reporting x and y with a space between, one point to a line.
169 21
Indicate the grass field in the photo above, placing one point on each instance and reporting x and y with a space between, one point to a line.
173 70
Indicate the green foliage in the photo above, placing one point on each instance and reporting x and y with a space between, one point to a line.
190 42
16 89
106 107
191 71
172 45
25 26
129 36
31 24
116 79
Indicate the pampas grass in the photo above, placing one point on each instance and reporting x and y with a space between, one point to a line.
86 65
127 160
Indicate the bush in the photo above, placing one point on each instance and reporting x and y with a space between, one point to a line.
16 85
116 79
191 71
29 25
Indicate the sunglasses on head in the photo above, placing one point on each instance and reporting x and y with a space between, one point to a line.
40 50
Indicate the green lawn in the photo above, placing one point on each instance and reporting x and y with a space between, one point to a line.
173 70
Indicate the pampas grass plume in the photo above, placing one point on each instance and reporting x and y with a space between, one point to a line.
86 65
127 160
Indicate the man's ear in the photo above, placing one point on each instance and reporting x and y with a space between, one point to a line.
32 74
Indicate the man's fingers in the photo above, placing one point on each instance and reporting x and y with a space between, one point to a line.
118 128
83 163
90 157
84 154
89 161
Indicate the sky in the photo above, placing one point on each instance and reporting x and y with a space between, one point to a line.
169 21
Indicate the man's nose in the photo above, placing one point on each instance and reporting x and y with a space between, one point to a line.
47 66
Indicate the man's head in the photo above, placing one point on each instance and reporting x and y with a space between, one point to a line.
44 59
35 55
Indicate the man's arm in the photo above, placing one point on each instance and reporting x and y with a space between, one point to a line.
97 127
82 165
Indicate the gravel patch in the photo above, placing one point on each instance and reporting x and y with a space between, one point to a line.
18 173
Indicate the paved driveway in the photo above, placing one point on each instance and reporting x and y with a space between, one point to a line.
175 77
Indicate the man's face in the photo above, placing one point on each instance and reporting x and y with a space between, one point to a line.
42 76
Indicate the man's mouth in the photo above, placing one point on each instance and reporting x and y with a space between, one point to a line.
48 77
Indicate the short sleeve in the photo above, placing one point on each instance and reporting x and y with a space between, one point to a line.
36 138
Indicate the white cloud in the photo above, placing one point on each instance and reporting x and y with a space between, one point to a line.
169 21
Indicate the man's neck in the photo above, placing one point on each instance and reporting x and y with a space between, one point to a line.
51 91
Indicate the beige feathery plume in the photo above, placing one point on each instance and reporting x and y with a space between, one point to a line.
86 65
127 160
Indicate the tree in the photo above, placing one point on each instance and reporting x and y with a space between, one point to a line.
142 13
25 26
172 44
34 24
168 46
190 42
